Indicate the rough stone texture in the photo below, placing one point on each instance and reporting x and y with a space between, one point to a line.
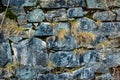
31 52
86 24
36 15
20 3
106 76
102 4
16 3
22 20
64 59
118 14
108 28
104 16
74 12
59 15
25 73
68 43
44 29
84 73
5 53
112 60
61 3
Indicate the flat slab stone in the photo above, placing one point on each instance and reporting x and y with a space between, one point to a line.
104 16
75 12
44 29
5 53
37 15
64 59
31 52
61 3
56 15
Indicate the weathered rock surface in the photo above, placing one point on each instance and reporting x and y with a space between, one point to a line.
36 15
31 52
74 12
59 15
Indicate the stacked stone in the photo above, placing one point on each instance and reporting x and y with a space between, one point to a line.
44 20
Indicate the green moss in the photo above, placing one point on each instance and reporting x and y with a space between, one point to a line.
10 15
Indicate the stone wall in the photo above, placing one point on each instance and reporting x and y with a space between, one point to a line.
61 40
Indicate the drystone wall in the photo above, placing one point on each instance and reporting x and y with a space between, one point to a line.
62 40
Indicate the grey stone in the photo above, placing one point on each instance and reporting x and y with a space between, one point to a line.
5 53
96 4
68 43
75 12
56 15
91 56
15 39
118 14
86 24
65 76
31 52
25 73
102 4
112 60
107 28
44 29
19 3
61 3
104 16
37 15
22 20
86 73
64 59
106 76
47 77
16 3
29 3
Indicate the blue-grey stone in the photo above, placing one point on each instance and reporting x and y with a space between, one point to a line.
56 15
22 20
19 3
95 4
91 56
75 12
107 28
86 73
37 15
104 16
12 3
64 59
31 52
106 76
65 76
68 43
5 53
102 4
62 25
86 24
47 77
61 3
25 73
118 14
15 39
29 3
44 29
112 60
